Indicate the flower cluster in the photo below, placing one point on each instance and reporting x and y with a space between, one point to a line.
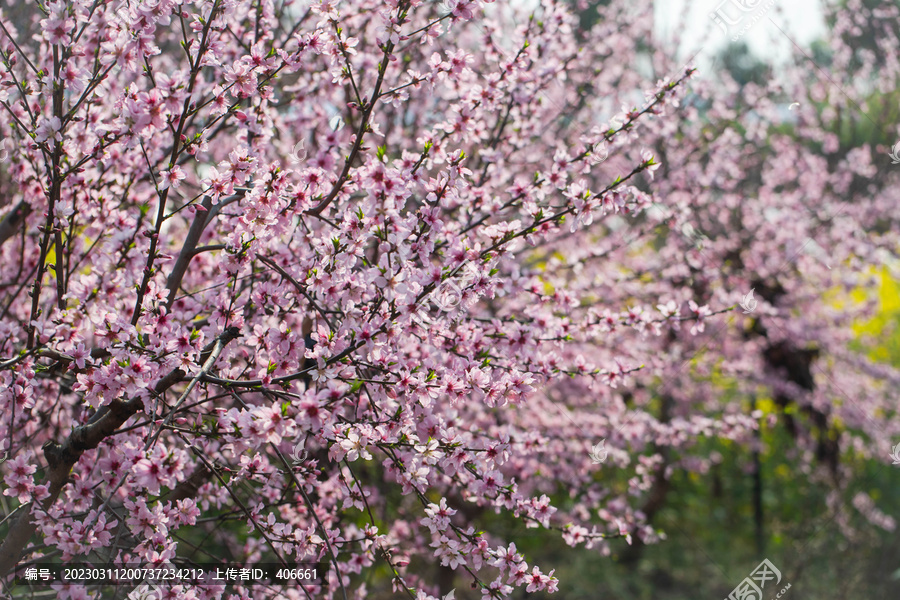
454 292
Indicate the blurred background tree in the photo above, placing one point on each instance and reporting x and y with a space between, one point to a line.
719 526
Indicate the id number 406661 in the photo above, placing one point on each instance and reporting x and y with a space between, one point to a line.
296 574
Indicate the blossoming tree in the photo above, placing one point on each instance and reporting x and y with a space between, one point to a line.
356 275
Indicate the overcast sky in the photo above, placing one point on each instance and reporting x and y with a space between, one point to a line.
801 21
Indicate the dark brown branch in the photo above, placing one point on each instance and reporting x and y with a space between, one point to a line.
13 220
360 133
658 490
187 251
62 457
190 486
218 346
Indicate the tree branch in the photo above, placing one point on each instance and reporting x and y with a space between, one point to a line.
62 457
187 251
13 220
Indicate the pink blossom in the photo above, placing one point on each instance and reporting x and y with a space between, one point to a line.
477 273
171 177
